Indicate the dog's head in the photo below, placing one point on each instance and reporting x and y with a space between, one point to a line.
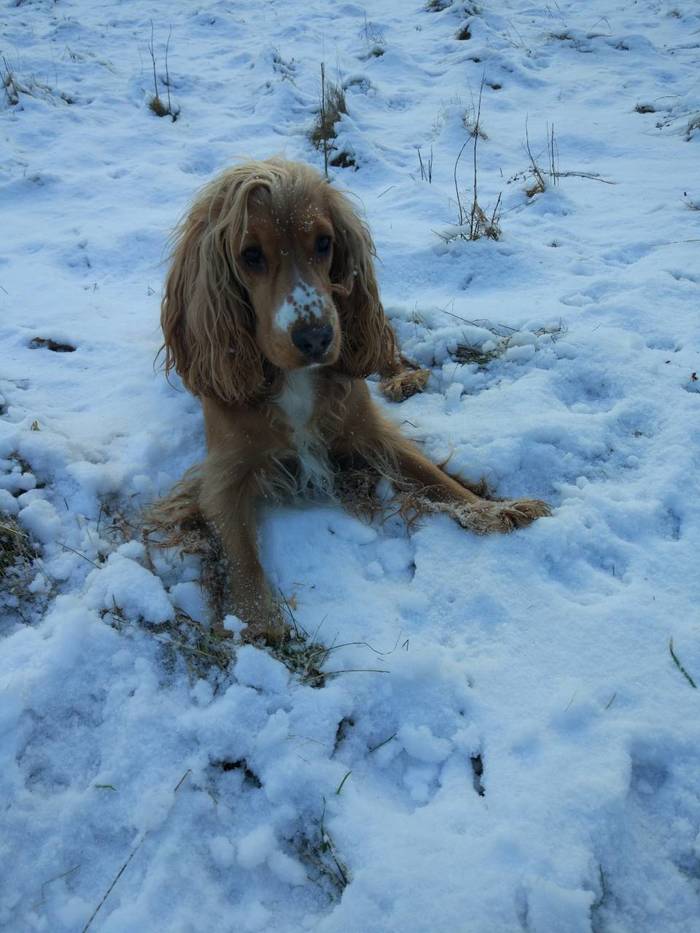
272 271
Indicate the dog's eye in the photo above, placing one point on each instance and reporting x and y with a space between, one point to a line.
323 245
253 257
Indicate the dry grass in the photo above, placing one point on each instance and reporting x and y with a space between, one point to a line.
426 168
483 355
537 178
538 184
16 550
318 852
466 353
693 127
11 85
333 105
39 343
473 222
17 554
156 104
14 88
374 41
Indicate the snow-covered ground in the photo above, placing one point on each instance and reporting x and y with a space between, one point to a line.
179 797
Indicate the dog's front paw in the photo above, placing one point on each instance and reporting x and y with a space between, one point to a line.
265 623
404 384
522 512
488 517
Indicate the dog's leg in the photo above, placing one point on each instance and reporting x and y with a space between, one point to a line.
480 515
404 461
229 502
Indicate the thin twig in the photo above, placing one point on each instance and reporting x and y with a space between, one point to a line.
167 73
151 49
323 118
593 176
73 550
385 742
477 129
680 666
460 212
535 168
117 877
133 852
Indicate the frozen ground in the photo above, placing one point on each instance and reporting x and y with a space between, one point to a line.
541 659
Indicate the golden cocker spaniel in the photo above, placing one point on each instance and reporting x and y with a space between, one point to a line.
271 315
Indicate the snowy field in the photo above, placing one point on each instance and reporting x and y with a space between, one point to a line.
509 743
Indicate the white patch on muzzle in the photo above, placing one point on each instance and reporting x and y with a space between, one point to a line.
303 304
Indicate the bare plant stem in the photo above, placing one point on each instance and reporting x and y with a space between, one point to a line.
540 185
477 129
323 118
460 210
167 73
151 49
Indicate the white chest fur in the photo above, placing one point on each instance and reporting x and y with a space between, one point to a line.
297 401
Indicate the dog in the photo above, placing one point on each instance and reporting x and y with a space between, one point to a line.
271 315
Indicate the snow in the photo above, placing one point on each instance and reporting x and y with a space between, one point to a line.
249 799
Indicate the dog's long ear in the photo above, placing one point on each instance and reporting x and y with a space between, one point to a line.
368 343
207 321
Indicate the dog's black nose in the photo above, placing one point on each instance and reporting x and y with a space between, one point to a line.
312 340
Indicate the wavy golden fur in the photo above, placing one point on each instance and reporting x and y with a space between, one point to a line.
208 320
272 316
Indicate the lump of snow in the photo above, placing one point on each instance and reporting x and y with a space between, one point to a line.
453 397
254 848
222 851
520 354
234 624
552 907
286 868
41 520
257 917
190 598
260 846
255 668
131 587
8 503
420 743
417 781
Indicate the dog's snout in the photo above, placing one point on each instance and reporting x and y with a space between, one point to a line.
312 340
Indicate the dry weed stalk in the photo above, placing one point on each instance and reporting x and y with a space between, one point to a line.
538 178
426 168
473 222
156 104
332 107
